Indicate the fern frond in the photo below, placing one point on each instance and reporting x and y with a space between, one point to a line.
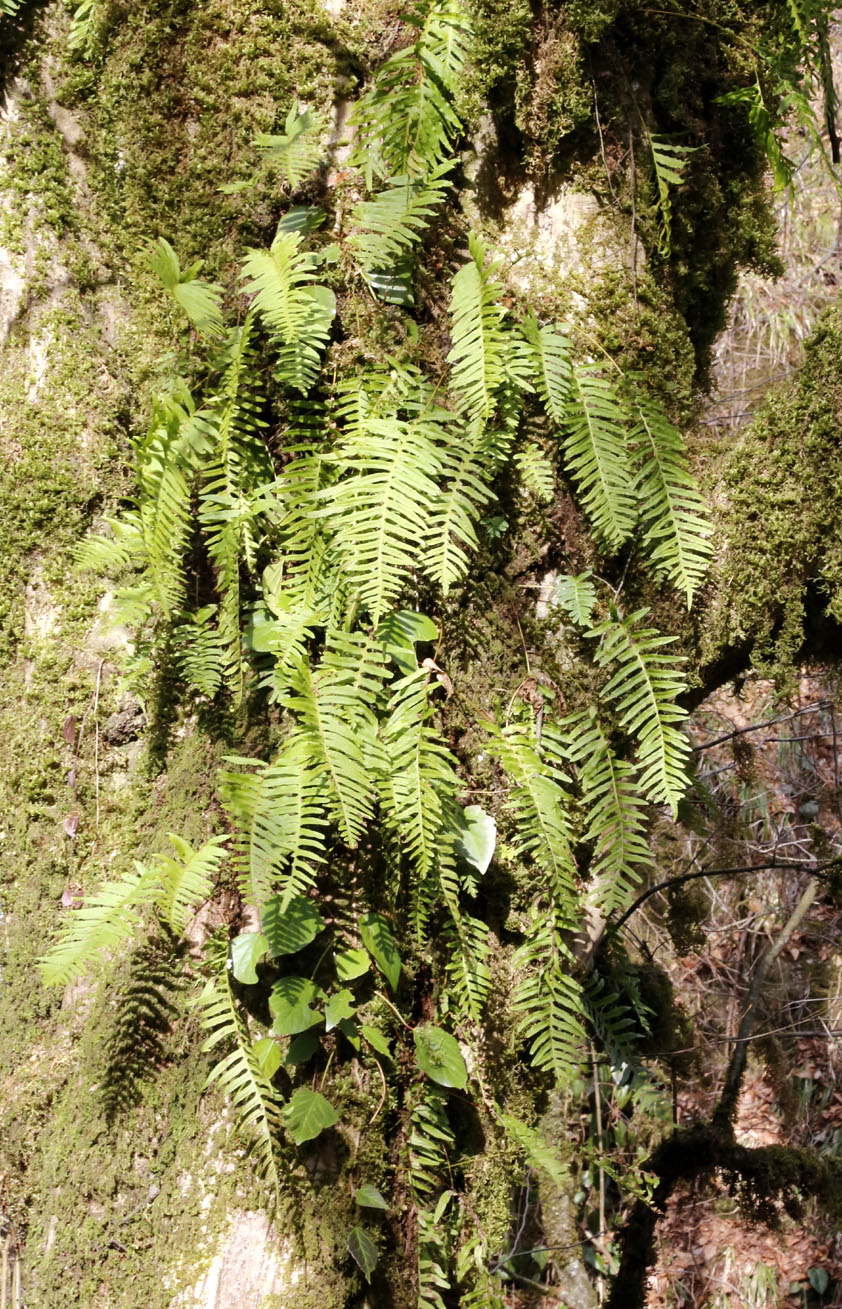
677 536
238 1074
279 819
188 881
478 342
597 456
577 597
103 922
468 463
298 150
125 546
553 367
405 124
377 514
201 654
536 472
295 310
420 776
165 510
669 161
548 999
201 301
430 1138
330 723
615 815
391 223
537 800
644 691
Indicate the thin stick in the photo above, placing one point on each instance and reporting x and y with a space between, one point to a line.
736 1066
598 1098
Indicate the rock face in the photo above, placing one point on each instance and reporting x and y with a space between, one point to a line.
247 1268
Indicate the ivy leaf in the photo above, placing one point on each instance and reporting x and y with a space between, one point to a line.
362 1250
819 1279
339 1006
368 1197
351 964
477 837
247 950
307 1114
290 1003
290 926
268 1056
400 631
439 1056
378 940
301 1048
376 1040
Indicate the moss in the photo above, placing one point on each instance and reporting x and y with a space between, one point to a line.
780 575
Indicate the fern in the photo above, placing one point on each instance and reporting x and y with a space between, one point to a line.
298 150
553 368
577 597
537 802
468 461
377 513
597 455
199 300
295 310
165 512
615 815
103 922
644 691
536 472
188 881
391 223
669 162
405 124
279 821
477 353
548 998
238 1074
672 509
201 654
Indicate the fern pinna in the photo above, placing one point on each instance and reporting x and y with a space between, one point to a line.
311 512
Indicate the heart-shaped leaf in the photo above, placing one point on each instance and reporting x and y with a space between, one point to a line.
292 926
477 837
290 1005
819 1279
307 1114
351 964
380 944
247 950
339 1006
362 1250
368 1197
439 1056
349 1031
268 1056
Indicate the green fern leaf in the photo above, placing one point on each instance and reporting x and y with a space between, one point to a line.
577 597
188 881
615 815
553 368
297 312
669 161
201 654
377 514
677 535
597 455
298 150
239 1075
104 921
644 691
200 301
279 819
391 223
548 999
479 344
536 472
405 125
